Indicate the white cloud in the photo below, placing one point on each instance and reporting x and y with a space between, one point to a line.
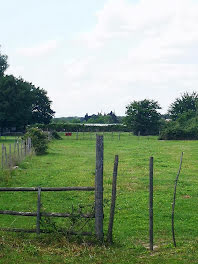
136 50
144 49
39 49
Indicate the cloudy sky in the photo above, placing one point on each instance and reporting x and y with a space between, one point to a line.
99 55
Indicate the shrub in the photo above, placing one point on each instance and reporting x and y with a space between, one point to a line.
39 140
55 135
175 131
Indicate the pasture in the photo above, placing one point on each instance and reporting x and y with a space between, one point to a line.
71 162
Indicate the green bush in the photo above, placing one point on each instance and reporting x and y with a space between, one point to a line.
175 131
55 135
39 140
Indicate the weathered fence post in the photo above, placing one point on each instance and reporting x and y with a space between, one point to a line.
21 149
6 158
99 188
2 156
113 200
38 218
151 203
18 154
10 156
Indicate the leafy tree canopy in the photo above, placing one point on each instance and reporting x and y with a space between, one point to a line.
22 103
143 116
186 103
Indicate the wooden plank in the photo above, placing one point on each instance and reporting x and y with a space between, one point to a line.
99 188
113 200
45 189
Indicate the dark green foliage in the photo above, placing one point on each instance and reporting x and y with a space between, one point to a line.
41 111
81 127
55 135
22 103
187 103
100 118
39 140
183 128
184 113
16 101
142 116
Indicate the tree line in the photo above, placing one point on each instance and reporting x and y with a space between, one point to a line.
21 103
180 122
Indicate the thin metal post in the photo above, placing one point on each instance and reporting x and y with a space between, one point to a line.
99 188
151 203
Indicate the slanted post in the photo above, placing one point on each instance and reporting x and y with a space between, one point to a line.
113 200
151 203
99 188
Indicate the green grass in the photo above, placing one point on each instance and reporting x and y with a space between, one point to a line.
71 162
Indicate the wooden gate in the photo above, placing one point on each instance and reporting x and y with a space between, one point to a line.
98 208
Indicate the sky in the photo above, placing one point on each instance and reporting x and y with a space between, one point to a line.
100 55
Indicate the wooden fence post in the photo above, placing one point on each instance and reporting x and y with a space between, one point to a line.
99 188
151 203
10 155
38 218
113 200
2 156
21 149
18 154
6 157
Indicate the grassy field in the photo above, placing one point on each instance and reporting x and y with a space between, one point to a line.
71 162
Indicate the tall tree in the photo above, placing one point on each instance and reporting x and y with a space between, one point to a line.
21 103
143 116
187 103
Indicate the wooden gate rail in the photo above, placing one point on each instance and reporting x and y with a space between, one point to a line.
7 212
45 189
